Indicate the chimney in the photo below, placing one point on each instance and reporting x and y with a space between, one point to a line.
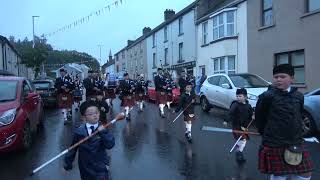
130 42
146 30
168 14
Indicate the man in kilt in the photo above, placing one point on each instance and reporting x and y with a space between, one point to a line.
89 85
186 103
170 84
127 88
110 88
279 121
77 95
160 87
141 91
64 87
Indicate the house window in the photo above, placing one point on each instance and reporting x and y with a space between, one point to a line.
224 64
205 33
224 25
154 60
154 40
123 55
165 33
180 52
180 26
267 13
166 56
297 60
313 5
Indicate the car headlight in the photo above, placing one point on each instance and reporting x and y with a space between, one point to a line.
252 97
8 117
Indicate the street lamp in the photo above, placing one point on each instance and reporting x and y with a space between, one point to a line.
33 29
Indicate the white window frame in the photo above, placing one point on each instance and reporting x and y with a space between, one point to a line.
180 25
154 60
205 33
154 40
180 53
165 33
225 68
166 53
224 24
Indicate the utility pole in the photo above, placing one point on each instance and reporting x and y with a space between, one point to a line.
33 43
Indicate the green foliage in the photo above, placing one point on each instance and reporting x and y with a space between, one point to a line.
52 59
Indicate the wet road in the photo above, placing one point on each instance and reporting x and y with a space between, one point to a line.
146 148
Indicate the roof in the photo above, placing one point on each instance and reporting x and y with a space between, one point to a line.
109 63
4 40
218 6
176 16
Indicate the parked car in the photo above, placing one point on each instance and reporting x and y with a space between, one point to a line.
220 89
21 113
311 114
152 93
45 88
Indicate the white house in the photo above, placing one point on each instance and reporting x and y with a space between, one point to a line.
222 38
172 44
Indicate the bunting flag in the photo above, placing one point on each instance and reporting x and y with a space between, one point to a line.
85 19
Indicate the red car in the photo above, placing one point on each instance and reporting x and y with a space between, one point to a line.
21 112
152 93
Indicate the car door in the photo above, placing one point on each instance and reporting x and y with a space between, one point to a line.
37 101
224 94
210 89
31 100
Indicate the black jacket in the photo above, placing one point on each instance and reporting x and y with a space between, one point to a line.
88 83
92 155
141 86
127 88
66 82
103 104
182 84
186 101
240 114
279 117
159 82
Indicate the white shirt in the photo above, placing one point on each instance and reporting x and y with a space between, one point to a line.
289 89
89 129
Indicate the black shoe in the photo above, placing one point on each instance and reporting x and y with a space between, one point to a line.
240 158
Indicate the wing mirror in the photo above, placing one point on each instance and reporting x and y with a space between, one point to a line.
226 86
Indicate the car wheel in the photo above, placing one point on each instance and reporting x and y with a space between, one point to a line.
308 124
26 136
205 106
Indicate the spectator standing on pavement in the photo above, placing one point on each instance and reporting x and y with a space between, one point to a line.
92 155
279 121
240 115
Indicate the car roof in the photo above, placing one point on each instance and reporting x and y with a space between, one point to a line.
224 74
12 78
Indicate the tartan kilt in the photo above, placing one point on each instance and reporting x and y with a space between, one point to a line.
271 161
65 100
188 118
140 97
110 93
161 97
169 97
128 101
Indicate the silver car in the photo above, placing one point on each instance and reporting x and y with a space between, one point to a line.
311 115
220 89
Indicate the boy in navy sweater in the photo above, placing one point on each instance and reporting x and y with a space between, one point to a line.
92 158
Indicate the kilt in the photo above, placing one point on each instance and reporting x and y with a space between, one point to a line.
161 97
271 161
140 97
65 100
169 97
110 93
77 95
128 101
189 117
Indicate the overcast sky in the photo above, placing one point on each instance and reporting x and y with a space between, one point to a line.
111 28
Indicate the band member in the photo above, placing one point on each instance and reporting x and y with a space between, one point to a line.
186 103
103 107
89 84
110 88
160 87
279 120
170 86
64 87
183 80
77 95
240 115
127 88
141 91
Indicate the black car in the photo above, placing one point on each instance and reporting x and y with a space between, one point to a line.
45 88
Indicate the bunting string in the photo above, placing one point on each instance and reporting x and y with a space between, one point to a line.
86 18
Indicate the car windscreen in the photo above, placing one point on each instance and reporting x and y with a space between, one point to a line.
248 81
8 90
41 85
